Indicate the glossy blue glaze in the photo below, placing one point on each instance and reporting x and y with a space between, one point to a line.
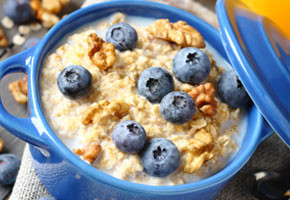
68 177
22 128
261 56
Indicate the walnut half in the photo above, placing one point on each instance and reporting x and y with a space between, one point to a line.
180 33
204 98
100 112
19 90
47 10
199 150
101 53
89 153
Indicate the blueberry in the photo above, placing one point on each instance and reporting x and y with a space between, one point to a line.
177 107
129 136
231 90
19 11
9 166
74 81
160 157
154 83
191 65
122 36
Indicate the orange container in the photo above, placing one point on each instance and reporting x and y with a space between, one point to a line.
278 11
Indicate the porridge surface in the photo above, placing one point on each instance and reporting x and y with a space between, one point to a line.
114 98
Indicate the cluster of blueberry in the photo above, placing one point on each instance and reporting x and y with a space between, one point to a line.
192 66
75 81
159 156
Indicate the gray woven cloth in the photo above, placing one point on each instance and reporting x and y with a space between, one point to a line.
272 154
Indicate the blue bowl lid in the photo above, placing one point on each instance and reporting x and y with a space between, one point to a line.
260 54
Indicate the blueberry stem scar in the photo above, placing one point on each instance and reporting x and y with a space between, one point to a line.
192 57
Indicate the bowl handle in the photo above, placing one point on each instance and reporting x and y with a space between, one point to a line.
20 127
266 131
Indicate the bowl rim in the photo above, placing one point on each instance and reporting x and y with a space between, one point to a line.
95 175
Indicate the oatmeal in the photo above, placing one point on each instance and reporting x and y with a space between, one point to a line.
203 142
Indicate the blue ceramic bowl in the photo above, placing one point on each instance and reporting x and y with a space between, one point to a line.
65 175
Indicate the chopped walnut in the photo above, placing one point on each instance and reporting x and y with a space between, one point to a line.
199 150
101 53
48 19
204 98
95 108
3 40
51 6
19 90
118 108
179 32
1 144
47 10
104 110
35 5
89 153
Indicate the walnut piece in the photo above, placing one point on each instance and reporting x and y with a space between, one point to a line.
19 90
102 111
199 150
89 153
1 144
35 5
95 108
3 39
101 53
48 19
180 33
204 98
47 10
51 6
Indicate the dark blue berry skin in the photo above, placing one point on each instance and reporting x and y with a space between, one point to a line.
129 136
122 36
19 11
154 83
231 90
74 81
191 65
9 166
177 107
160 157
